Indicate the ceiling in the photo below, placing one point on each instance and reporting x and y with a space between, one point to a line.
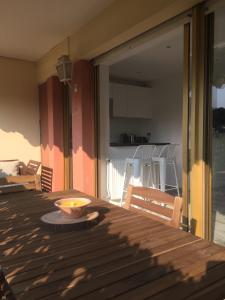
30 28
162 57
155 60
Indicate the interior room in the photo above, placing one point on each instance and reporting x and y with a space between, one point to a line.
145 108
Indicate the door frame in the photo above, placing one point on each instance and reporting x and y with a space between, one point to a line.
185 125
107 59
196 170
209 39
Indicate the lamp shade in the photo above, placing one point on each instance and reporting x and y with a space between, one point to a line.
64 68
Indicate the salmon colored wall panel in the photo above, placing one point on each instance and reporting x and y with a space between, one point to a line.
83 128
51 115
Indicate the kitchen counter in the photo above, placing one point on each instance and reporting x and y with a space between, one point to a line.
136 144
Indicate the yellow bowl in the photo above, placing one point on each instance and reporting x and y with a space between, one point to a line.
72 207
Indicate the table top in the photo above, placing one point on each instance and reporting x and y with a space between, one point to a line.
123 256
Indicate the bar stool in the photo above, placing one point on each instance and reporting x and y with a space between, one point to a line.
166 157
151 167
134 167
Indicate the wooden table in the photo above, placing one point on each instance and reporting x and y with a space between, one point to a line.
124 256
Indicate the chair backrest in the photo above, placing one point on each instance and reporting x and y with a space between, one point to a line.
46 179
155 204
159 150
144 152
169 151
32 167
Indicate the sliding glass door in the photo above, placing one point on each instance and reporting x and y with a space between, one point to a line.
217 95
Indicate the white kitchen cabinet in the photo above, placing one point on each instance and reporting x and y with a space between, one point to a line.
119 94
131 101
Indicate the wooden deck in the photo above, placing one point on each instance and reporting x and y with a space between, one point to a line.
124 256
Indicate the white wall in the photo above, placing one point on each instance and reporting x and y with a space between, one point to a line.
166 124
19 113
139 127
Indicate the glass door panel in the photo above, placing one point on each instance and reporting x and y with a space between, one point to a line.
218 129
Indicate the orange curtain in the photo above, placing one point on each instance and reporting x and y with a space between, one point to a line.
51 129
83 132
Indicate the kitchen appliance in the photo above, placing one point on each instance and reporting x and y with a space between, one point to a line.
124 138
141 140
127 138
131 138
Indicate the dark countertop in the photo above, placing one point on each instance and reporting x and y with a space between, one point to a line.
136 144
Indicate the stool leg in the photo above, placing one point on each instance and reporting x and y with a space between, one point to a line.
162 174
108 179
124 182
136 174
127 179
149 175
154 169
176 178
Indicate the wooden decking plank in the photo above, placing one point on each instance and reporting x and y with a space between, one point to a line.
91 297
137 239
203 281
45 231
36 226
37 205
40 250
215 291
112 226
143 243
155 289
135 266
159 269
81 235
35 216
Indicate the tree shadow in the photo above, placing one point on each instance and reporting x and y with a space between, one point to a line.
122 256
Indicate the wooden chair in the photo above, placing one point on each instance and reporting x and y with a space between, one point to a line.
30 169
20 183
46 179
155 204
